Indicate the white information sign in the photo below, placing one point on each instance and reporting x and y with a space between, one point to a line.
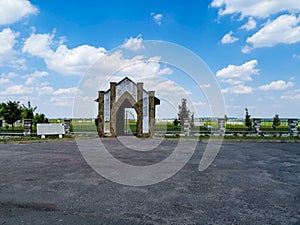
44 129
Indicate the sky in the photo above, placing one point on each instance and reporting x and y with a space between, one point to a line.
52 52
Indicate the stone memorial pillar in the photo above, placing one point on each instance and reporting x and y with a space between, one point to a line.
151 113
186 127
140 109
67 125
221 126
112 102
293 127
257 125
101 113
27 127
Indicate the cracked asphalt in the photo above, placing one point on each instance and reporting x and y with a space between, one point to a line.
248 183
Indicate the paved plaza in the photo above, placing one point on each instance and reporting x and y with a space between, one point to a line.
247 183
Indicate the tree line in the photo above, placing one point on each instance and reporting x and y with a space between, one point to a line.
12 111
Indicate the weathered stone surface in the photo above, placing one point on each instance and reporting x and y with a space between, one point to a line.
124 101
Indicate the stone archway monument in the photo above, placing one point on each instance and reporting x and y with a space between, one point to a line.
123 95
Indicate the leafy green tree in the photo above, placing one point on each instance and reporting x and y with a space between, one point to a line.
40 118
184 112
248 121
2 105
28 111
11 112
276 121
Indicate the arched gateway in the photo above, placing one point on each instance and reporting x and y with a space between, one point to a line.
112 105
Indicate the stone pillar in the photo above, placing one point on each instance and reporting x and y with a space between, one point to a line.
67 124
27 127
293 127
140 109
221 126
257 125
151 113
101 113
112 113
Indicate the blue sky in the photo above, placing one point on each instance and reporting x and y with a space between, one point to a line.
251 47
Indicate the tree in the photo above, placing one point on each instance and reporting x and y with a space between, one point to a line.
40 118
175 122
184 112
248 121
1 108
11 112
192 123
28 111
276 121
225 118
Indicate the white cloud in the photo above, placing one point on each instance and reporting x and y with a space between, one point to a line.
246 49
63 60
204 86
251 24
291 95
77 61
73 61
255 8
238 74
11 75
238 89
66 91
12 11
7 42
33 78
134 43
144 69
157 17
4 80
16 90
277 85
18 63
228 38
169 87
44 90
39 45
62 101
198 103
165 71
64 97
285 29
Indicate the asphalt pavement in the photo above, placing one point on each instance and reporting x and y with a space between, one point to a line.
247 183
